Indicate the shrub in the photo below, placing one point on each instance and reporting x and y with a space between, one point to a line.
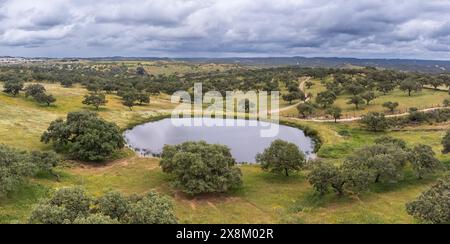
95 219
391 106
14 167
446 142
65 206
375 122
433 206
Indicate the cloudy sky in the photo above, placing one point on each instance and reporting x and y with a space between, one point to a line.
224 28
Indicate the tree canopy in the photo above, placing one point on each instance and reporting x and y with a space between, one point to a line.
306 109
410 85
335 112
38 93
129 99
281 157
84 136
16 165
433 206
45 98
446 142
356 100
383 162
295 95
369 97
391 106
423 160
95 100
74 206
199 167
375 121
325 175
326 99
34 89
13 87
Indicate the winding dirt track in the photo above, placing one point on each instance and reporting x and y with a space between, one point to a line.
359 118
324 120
302 88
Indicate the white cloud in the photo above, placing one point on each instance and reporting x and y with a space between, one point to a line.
370 28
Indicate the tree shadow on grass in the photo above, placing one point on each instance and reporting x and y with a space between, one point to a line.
410 181
280 178
312 200
93 109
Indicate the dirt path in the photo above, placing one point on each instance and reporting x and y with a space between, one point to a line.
302 88
324 120
359 118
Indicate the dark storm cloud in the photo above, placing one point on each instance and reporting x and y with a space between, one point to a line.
370 28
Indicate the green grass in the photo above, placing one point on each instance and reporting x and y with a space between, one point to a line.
427 98
348 137
17 207
23 120
164 67
264 198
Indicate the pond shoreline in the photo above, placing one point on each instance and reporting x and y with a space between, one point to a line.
306 138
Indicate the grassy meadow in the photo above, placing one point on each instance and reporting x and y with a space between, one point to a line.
264 198
427 98
166 67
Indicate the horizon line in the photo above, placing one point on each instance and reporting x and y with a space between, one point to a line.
220 58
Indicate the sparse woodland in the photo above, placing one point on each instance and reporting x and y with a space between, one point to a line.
377 138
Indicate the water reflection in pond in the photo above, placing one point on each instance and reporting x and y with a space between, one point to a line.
244 141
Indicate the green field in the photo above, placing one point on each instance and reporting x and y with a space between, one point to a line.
263 198
164 67
427 98
26 119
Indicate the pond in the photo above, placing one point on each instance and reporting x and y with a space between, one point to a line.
245 141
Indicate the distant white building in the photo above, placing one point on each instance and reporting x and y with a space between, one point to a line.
18 60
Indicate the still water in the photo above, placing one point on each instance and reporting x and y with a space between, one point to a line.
245 141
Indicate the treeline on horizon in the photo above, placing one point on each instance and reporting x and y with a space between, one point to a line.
115 78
